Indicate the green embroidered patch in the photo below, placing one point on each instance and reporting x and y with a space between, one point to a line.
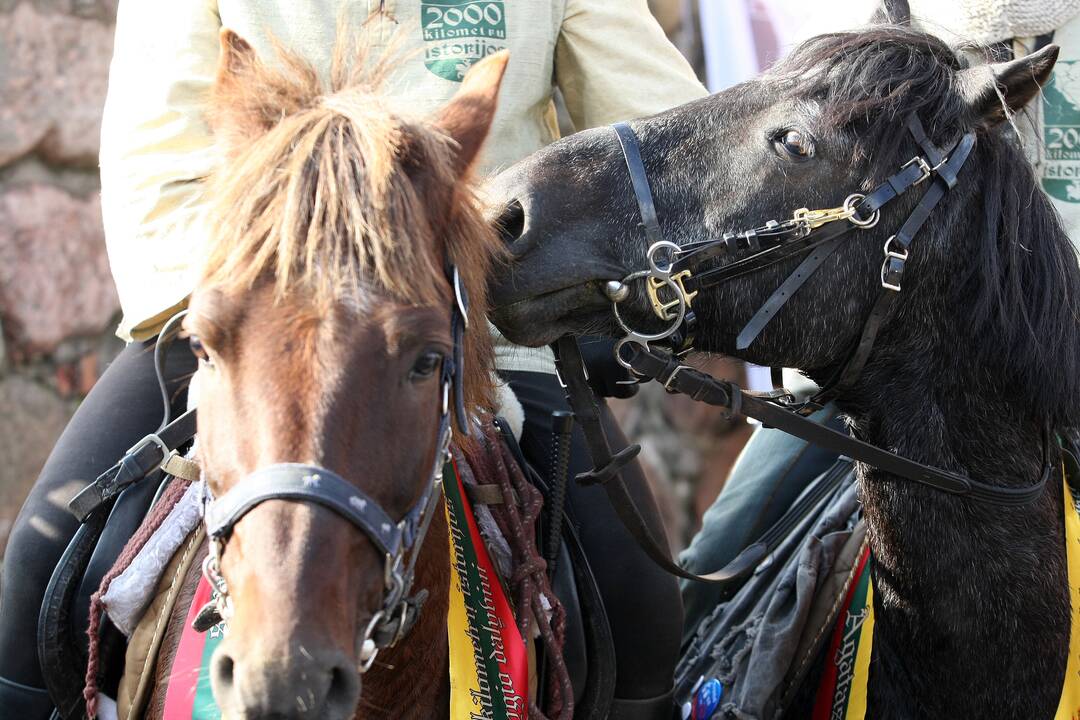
1061 132
457 33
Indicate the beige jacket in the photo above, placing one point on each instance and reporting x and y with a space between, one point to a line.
609 58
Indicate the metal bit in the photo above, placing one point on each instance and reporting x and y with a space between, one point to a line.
616 291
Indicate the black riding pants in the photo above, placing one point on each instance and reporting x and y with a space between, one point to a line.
642 601
123 407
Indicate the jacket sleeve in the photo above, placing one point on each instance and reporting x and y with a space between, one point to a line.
613 62
156 149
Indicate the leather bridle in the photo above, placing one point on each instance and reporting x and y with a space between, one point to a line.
398 541
680 272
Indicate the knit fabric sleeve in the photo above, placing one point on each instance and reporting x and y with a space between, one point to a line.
613 62
156 149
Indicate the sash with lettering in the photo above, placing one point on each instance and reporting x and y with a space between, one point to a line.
188 696
489 665
842 693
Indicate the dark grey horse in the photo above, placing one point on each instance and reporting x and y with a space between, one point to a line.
980 351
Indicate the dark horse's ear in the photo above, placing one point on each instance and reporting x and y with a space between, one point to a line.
892 12
995 91
467 117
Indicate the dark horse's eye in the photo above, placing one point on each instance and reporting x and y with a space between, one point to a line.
426 365
198 349
794 144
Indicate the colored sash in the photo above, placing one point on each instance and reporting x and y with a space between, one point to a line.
842 693
489 666
188 696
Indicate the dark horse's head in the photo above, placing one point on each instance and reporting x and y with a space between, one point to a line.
323 323
992 268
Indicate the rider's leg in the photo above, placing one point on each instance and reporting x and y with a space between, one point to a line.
642 601
771 471
123 406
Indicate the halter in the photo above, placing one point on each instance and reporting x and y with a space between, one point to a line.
674 276
399 541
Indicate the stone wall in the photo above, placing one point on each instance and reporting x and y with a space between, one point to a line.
57 302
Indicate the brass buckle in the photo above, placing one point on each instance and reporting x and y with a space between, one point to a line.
661 308
816 218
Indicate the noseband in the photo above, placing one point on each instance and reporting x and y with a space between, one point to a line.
398 541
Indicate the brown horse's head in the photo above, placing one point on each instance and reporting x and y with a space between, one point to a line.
322 319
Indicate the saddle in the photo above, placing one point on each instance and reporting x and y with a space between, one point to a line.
111 518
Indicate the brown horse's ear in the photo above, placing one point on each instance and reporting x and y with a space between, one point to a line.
892 12
248 99
995 91
467 117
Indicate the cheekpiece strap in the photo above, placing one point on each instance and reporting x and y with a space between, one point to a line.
639 179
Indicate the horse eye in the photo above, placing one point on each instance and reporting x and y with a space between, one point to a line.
795 144
199 350
426 365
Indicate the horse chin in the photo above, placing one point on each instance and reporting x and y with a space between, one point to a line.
543 319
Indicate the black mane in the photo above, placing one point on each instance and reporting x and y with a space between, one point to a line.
1017 287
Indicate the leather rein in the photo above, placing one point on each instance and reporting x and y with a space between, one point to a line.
675 276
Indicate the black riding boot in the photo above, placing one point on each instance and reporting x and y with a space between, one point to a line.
657 708
24 702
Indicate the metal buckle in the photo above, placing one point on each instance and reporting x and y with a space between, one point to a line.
901 256
671 378
661 308
923 166
151 439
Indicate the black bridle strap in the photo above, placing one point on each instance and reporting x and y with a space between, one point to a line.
893 269
310 483
639 179
783 293
144 458
702 387
608 466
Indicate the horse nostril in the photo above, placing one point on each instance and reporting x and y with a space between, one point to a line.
344 691
511 223
221 668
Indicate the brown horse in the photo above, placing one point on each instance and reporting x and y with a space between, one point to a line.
322 320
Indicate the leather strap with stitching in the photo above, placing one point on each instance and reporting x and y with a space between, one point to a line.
568 360
700 386
144 458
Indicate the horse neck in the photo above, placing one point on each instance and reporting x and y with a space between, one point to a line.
959 582
411 680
